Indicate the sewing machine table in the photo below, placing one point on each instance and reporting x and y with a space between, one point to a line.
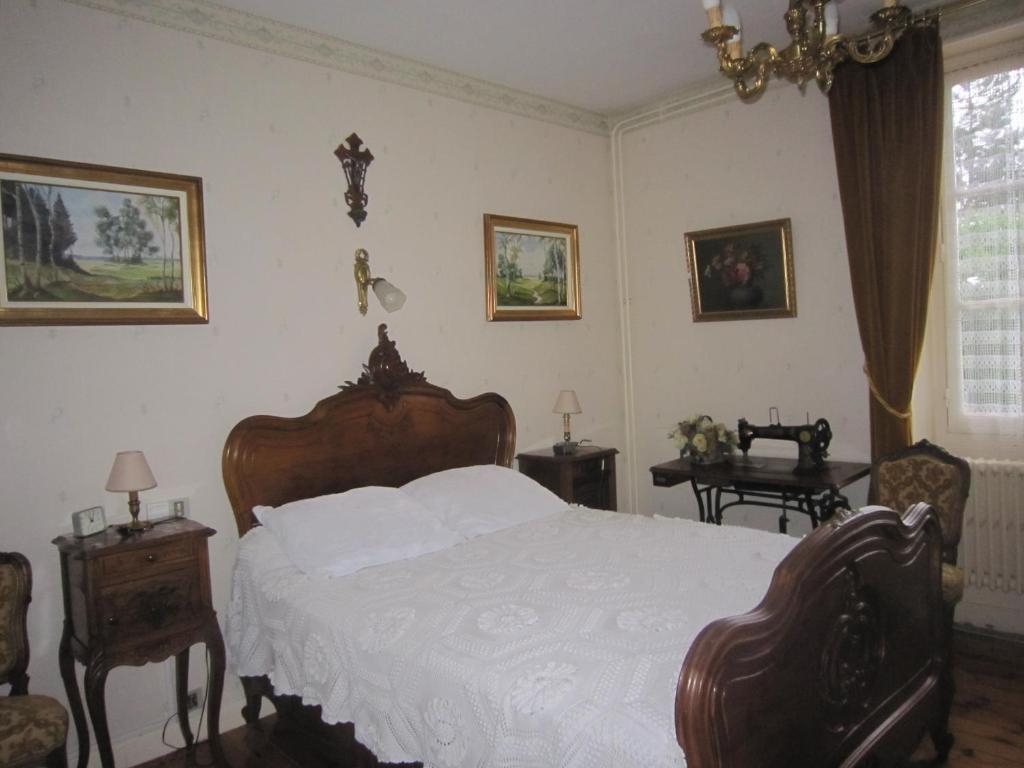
763 481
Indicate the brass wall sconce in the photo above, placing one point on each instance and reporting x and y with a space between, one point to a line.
390 297
817 46
354 162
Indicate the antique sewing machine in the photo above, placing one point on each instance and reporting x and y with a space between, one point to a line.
812 439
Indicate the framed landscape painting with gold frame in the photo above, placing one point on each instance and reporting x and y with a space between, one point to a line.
743 272
532 269
95 245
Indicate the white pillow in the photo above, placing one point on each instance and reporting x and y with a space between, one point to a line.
481 499
339 534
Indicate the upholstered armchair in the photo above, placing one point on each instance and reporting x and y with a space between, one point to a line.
926 472
32 728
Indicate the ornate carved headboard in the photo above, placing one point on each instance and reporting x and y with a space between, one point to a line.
389 427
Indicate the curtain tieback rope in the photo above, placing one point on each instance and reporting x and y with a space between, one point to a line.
881 400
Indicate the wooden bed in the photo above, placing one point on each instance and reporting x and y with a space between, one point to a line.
838 666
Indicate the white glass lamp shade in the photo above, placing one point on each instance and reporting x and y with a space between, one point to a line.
567 402
130 473
390 297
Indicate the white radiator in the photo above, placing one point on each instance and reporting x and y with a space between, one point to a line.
992 546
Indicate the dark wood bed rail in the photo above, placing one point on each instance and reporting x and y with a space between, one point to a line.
840 663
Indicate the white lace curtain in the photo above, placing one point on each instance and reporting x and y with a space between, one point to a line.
988 294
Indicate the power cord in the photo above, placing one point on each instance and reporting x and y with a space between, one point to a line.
199 724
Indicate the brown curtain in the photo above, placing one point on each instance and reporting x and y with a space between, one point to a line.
887 131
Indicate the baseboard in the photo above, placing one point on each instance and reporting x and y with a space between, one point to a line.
973 630
993 613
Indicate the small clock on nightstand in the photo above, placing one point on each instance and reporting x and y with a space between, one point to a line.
88 522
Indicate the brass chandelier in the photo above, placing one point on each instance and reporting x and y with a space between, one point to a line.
817 46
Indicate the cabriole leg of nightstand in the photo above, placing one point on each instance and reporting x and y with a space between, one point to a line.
95 682
215 646
67 672
181 684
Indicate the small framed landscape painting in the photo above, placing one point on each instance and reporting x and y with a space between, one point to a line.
743 272
532 269
95 245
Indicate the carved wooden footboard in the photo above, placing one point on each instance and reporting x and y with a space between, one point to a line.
840 663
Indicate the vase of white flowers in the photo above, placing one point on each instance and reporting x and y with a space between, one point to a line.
701 440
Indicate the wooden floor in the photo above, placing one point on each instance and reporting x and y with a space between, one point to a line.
988 715
988 712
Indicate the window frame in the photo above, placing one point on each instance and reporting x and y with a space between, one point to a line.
931 406
958 420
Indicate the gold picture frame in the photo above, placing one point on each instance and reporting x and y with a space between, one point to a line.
97 245
532 269
742 272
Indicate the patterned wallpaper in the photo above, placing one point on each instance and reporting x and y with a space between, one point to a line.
284 331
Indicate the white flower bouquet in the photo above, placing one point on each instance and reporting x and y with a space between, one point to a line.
702 440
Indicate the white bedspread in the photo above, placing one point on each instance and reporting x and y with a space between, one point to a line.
553 643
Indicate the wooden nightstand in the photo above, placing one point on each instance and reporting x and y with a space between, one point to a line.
586 477
133 600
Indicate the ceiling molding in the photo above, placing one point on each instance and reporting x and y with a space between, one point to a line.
973 19
204 18
703 95
207 19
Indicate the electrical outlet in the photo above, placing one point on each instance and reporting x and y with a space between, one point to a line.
193 698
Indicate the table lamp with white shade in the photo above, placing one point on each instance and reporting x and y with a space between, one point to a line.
131 473
566 403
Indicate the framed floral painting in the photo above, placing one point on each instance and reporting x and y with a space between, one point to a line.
743 272
96 245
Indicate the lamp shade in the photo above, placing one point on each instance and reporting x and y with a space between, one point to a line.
390 297
130 473
567 402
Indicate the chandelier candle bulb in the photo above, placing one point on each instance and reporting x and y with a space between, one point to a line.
731 18
831 20
714 11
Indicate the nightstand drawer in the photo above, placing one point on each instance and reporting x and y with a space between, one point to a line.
164 602
139 563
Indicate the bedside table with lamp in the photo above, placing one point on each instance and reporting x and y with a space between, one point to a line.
579 474
136 594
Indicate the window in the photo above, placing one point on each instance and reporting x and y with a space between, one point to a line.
984 248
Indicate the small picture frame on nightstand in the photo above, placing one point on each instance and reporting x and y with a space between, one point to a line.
88 522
